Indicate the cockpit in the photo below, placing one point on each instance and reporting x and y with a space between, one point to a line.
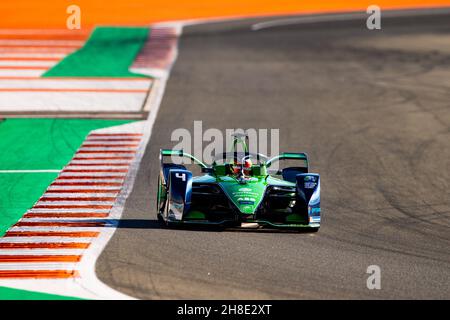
240 164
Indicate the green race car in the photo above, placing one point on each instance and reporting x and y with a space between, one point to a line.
236 190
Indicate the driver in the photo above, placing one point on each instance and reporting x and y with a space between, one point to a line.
247 167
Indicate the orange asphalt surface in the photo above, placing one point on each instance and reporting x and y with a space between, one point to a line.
52 13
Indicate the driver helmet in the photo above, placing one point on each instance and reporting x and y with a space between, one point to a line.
247 167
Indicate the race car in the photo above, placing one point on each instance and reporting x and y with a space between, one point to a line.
239 189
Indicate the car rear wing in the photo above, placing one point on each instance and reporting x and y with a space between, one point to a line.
301 156
179 153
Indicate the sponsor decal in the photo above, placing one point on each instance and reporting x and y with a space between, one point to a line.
314 211
246 202
310 185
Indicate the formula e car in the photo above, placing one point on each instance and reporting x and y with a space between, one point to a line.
238 191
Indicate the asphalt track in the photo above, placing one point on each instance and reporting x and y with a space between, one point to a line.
371 108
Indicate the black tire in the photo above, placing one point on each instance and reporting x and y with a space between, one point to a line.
171 225
301 206
167 223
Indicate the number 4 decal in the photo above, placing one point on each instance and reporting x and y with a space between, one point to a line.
181 176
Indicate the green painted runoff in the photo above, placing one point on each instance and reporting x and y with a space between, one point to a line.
109 52
16 294
36 144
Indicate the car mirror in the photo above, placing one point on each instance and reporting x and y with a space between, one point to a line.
207 170
275 172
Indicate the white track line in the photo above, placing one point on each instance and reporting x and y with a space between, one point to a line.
105 142
59 210
306 19
101 138
96 176
84 187
88 148
33 32
32 42
73 83
27 49
39 252
99 167
77 195
66 266
66 101
89 161
42 240
99 175
60 219
53 229
26 63
21 73
65 220
79 181
32 55
77 202
104 155
30 171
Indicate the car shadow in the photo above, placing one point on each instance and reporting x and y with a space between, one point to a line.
139 224
155 224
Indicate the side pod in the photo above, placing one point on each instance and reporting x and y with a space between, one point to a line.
180 192
308 188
